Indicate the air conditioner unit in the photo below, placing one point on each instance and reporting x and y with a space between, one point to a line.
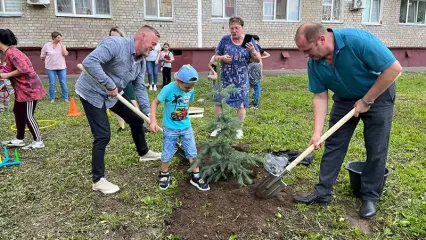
357 4
38 2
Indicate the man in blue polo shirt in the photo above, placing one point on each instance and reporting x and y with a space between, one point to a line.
361 71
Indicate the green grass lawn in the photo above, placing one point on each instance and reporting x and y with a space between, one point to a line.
49 195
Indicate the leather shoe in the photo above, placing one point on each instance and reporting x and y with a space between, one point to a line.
313 198
368 209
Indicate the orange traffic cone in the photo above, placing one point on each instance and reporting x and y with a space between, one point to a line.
73 109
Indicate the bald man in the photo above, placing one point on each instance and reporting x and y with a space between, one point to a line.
360 71
116 62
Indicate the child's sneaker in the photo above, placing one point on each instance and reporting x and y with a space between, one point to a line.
155 87
164 180
14 143
34 145
199 183
150 87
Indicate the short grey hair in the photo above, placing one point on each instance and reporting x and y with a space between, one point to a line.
236 20
311 31
149 28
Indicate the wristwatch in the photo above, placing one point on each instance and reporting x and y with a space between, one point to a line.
367 103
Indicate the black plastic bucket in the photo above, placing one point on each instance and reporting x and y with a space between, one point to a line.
355 169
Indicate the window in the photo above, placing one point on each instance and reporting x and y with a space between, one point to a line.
224 8
83 8
10 8
288 10
412 12
159 9
372 12
332 10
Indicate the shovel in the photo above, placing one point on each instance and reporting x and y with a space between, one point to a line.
180 153
272 185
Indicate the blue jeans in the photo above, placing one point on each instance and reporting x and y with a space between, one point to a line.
62 75
152 71
256 93
170 137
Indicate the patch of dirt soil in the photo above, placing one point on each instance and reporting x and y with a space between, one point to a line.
362 224
227 208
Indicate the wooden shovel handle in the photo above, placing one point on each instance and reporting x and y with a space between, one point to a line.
120 98
325 136
322 139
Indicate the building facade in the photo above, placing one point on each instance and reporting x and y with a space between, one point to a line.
194 27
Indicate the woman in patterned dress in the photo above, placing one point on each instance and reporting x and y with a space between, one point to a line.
235 59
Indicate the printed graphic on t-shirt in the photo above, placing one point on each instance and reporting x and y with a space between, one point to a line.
180 112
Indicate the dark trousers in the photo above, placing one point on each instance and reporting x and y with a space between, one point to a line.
99 124
24 115
167 75
377 126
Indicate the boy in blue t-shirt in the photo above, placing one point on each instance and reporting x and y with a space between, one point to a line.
176 97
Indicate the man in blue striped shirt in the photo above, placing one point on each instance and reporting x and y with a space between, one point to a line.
116 62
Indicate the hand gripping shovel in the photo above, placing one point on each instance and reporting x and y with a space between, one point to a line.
180 153
272 185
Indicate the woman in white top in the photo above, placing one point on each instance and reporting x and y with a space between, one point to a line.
53 54
152 67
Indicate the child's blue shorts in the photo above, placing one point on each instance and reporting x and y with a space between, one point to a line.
170 137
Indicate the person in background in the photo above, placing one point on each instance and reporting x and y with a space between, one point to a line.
28 90
234 69
166 58
212 69
212 74
4 91
255 74
53 54
152 67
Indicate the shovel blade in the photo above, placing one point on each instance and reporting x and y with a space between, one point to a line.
270 187
180 153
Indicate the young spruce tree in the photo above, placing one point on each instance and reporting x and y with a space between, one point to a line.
217 158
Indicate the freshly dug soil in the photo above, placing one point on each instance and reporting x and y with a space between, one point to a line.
226 209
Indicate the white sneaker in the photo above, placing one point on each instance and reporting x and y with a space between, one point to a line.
150 87
240 134
34 145
150 156
14 143
155 87
105 187
215 132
